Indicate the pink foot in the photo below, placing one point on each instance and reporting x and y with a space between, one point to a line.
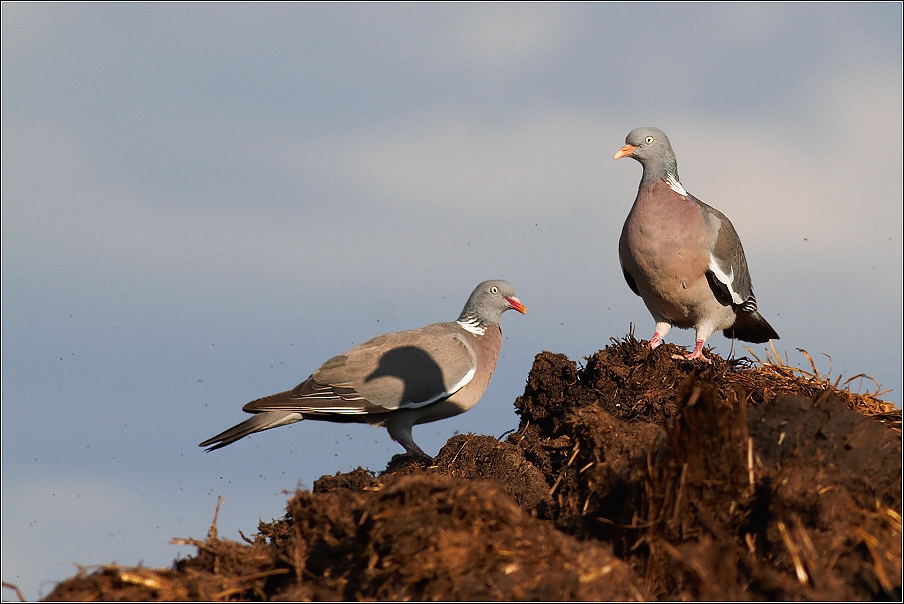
697 354
655 341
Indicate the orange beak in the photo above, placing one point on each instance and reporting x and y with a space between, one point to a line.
624 151
516 304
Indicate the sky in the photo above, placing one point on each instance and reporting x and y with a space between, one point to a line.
201 203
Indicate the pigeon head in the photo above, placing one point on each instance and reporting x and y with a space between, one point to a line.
487 303
651 147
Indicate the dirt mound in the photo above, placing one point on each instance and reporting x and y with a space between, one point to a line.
635 477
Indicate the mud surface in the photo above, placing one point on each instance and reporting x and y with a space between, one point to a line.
632 477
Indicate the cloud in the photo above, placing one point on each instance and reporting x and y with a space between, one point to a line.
833 178
452 162
494 38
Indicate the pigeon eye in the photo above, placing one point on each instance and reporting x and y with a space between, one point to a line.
648 140
494 290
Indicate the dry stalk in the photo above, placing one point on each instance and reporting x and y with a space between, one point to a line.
15 589
212 531
750 474
874 547
794 550
555 486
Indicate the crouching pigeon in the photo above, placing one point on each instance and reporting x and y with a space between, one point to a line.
683 257
398 379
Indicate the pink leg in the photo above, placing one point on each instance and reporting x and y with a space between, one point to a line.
698 353
655 341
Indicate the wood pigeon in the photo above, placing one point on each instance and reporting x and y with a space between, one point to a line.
683 257
398 379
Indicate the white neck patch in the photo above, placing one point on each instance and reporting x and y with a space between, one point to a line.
675 185
473 325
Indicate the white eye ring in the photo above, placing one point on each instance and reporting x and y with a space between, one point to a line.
494 290
648 140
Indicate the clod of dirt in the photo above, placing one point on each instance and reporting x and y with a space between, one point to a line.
634 477
431 537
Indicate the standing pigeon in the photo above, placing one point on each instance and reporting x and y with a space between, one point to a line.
682 256
398 379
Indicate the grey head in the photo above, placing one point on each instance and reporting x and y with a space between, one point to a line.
487 303
651 147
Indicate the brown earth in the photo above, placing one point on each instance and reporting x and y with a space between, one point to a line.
634 477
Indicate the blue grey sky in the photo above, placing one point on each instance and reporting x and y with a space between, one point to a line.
203 202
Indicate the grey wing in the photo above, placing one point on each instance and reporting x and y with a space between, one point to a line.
409 369
400 370
622 254
315 397
727 273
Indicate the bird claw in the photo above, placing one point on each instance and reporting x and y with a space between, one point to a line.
697 354
691 357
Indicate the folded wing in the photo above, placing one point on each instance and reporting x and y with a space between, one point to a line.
400 370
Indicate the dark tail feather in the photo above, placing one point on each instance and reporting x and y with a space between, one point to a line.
751 327
256 423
